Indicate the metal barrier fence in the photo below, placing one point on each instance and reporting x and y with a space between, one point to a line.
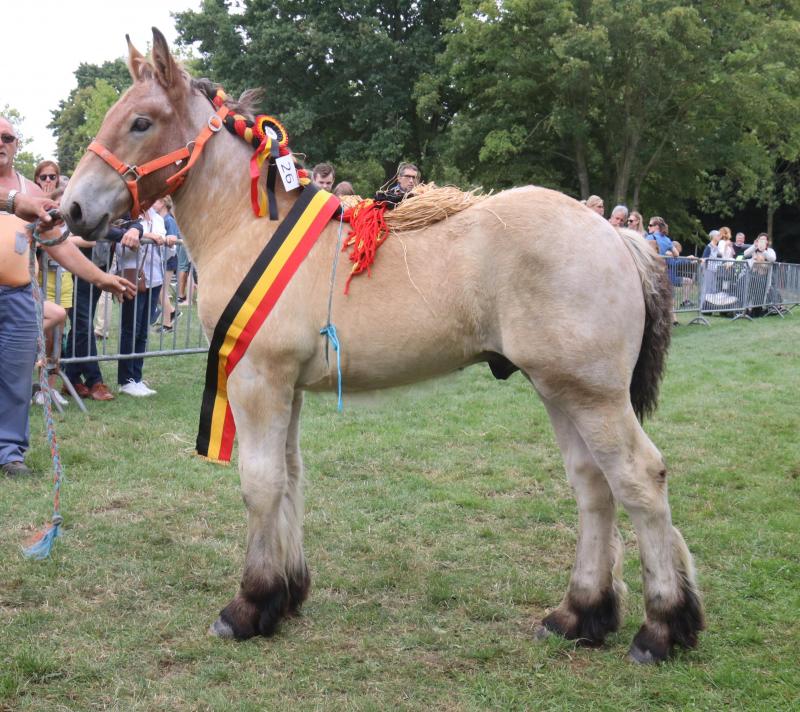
738 287
703 287
101 328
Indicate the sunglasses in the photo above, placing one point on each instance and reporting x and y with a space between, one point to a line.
47 176
406 176
7 138
652 224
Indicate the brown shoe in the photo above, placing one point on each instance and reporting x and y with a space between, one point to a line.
80 389
99 391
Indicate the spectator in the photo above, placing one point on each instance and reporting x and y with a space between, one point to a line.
595 202
344 188
407 178
711 250
725 245
47 176
635 222
168 312
54 317
760 251
18 327
141 264
739 245
86 377
187 277
657 233
619 216
323 175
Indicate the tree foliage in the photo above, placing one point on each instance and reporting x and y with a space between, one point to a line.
668 106
340 75
78 117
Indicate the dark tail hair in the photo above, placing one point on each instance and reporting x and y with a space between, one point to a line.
649 369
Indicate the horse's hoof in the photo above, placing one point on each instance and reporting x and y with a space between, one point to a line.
220 629
541 633
641 657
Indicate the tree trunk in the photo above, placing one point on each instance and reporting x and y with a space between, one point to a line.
625 169
581 168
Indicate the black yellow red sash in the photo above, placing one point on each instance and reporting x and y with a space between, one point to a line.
249 307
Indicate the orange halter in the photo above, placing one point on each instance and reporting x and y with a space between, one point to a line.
132 174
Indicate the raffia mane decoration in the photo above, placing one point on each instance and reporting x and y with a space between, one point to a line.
430 204
371 222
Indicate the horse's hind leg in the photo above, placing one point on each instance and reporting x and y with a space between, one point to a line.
275 581
637 475
591 607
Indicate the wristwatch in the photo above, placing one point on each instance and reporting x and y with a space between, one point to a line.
12 194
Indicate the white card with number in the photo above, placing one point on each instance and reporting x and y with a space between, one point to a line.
288 172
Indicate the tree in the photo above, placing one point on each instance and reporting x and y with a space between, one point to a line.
339 75
78 117
634 100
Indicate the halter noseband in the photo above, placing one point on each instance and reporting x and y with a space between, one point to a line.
132 174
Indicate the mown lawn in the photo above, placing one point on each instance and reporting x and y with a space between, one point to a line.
439 529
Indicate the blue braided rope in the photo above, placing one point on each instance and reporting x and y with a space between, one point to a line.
43 542
329 330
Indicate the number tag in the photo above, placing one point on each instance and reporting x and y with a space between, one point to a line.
288 172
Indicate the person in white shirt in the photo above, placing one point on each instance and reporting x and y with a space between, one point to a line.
142 266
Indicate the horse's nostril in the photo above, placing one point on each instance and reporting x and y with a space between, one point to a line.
75 212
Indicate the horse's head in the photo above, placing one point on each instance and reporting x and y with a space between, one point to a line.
144 144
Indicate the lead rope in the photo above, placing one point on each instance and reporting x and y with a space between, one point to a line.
329 330
40 544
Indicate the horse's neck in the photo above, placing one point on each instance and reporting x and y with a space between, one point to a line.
213 207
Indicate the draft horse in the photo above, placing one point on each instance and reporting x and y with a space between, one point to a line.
527 279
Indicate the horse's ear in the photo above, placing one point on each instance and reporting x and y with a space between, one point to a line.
167 69
135 58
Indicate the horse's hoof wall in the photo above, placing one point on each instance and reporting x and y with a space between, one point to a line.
221 629
541 633
641 657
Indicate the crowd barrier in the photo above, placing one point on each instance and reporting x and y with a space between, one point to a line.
736 287
739 288
109 337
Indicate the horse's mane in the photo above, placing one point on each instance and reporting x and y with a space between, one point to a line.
244 105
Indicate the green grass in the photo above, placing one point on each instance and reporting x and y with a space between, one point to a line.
439 529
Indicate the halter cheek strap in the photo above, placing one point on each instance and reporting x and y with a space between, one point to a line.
191 151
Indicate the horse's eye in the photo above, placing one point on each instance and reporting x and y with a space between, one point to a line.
141 124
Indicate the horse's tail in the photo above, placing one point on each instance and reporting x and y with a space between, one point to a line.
649 369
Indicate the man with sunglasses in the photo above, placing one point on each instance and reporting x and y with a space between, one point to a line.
18 327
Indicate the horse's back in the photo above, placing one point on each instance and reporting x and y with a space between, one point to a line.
528 273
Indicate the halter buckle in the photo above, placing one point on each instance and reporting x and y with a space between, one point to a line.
131 171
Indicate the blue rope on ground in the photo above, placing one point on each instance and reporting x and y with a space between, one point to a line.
329 331
42 543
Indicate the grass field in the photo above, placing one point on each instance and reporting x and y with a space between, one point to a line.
439 529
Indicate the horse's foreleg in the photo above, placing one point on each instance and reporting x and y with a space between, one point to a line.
275 581
637 475
591 607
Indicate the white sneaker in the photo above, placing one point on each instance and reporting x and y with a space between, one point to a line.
134 388
38 399
146 390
